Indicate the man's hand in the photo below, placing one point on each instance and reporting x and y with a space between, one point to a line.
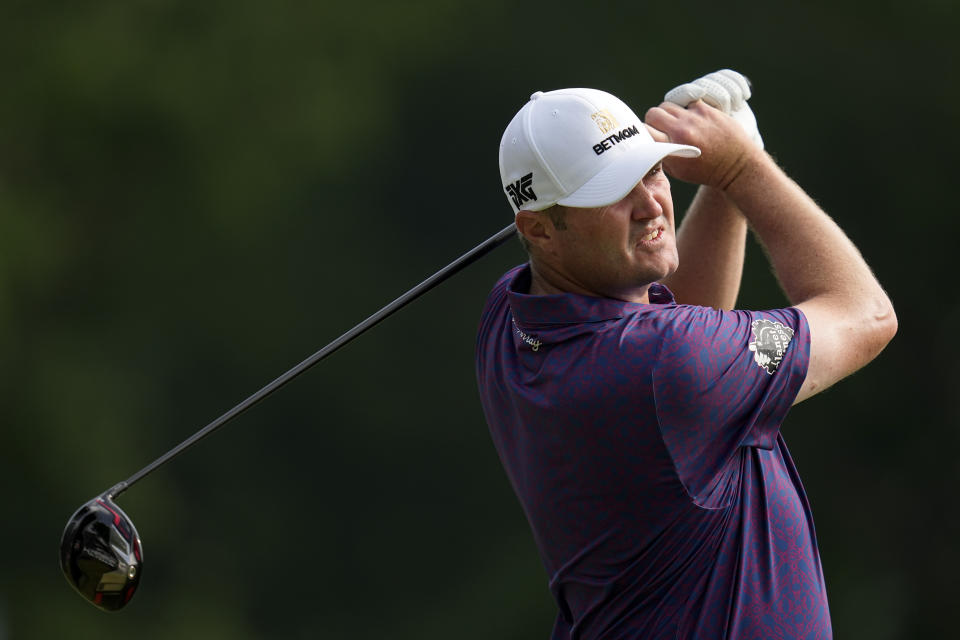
725 145
725 90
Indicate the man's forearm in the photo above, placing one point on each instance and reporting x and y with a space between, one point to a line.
851 318
810 254
711 241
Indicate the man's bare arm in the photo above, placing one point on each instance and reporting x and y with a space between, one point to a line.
823 274
851 318
711 241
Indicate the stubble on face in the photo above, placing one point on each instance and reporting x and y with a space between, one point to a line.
558 216
598 251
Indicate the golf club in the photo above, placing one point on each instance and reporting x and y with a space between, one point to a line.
100 551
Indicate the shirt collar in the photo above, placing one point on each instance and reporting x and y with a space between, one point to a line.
530 310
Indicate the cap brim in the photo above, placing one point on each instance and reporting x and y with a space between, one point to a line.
617 179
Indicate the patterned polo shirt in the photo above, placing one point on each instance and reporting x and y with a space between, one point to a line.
643 442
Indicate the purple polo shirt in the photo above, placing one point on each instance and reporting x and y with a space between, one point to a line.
643 441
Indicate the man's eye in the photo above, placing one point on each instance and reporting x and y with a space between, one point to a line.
656 169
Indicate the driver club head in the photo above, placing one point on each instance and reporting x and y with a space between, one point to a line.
100 554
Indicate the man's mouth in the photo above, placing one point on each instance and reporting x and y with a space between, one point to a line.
652 236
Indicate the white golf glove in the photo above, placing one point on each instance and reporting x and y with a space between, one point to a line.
726 90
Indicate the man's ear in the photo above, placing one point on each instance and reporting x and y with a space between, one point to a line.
531 226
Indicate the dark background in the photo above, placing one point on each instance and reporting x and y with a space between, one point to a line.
194 196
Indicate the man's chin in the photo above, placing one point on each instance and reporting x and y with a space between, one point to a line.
661 274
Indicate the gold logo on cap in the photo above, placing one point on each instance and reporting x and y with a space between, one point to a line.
604 120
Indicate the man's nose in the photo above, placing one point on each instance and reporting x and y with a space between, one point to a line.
645 205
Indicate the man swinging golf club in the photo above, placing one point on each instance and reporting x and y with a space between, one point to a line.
638 416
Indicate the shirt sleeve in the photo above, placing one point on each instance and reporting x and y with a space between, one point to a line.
723 380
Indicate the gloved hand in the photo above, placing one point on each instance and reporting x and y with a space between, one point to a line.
725 90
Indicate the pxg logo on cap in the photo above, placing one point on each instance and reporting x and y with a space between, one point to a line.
578 148
522 190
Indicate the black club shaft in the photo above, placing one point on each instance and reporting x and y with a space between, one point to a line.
454 267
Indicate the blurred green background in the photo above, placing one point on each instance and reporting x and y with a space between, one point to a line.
194 196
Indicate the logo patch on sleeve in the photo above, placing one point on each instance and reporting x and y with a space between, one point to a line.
770 340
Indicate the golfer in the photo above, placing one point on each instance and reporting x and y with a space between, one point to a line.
636 413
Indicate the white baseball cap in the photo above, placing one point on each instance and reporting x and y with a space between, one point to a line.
578 148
